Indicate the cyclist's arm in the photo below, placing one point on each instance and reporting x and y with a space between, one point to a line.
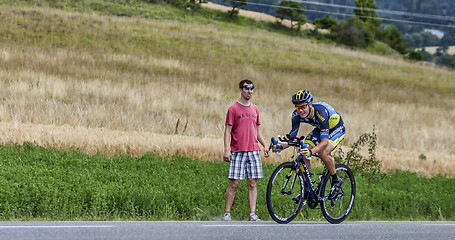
227 156
295 124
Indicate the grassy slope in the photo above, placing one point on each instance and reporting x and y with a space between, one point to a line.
129 73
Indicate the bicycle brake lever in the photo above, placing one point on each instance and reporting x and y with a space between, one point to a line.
275 143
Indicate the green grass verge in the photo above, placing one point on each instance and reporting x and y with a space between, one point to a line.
48 184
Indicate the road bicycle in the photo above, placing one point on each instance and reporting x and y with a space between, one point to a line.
292 180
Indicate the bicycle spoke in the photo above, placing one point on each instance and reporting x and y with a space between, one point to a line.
336 210
284 185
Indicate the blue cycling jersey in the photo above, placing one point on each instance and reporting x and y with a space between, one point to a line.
325 118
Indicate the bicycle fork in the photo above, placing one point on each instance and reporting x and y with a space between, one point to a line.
294 174
288 177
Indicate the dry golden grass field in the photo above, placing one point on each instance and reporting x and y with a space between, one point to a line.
432 50
115 85
256 15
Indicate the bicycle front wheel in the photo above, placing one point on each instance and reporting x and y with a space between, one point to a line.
336 210
284 186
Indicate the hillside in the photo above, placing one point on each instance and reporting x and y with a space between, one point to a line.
162 80
414 19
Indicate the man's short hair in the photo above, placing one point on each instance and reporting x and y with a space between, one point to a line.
242 83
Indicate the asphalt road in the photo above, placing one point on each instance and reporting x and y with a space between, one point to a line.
226 230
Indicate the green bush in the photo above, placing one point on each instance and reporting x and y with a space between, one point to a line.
325 23
414 55
393 38
351 32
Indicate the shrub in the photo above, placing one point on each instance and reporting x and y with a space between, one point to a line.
369 167
352 32
325 23
414 55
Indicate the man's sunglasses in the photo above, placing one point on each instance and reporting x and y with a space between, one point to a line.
301 107
248 87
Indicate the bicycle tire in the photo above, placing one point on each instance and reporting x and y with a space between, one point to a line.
337 210
281 206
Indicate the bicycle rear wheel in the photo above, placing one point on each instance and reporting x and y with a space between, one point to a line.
336 210
284 185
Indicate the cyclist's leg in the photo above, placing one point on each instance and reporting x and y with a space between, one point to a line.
334 140
327 159
313 139
325 154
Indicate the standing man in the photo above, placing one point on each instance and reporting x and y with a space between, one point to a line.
241 148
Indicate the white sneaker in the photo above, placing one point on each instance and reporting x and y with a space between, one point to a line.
227 217
254 217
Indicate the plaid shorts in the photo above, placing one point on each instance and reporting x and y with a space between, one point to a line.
245 161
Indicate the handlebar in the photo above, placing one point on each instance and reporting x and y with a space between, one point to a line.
288 141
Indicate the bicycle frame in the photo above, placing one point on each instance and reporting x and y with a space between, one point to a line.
315 192
301 166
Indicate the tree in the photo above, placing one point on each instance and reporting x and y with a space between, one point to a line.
351 32
442 50
426 56
412 6
325 23
235 5
414 55
446 60
292 11
448 39
194 5
365 11
393 38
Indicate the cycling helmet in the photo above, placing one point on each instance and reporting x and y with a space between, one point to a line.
302 96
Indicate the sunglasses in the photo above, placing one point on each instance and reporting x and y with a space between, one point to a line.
301 107
248 87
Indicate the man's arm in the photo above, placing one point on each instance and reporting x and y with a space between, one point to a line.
262 141
227 156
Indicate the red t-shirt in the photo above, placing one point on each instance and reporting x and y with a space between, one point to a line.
244 122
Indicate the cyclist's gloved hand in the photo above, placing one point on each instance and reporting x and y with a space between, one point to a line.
305 152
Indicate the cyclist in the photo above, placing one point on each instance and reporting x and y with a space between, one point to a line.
329 131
